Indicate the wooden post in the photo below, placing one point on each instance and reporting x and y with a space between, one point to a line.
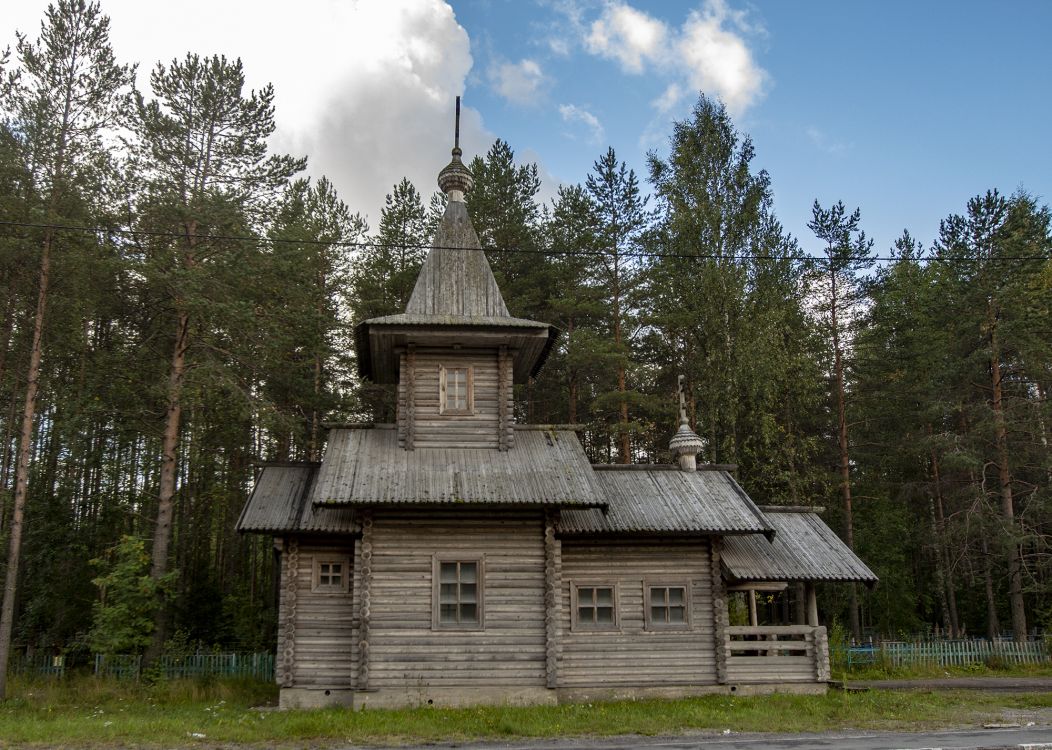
366 605
812 605
290 568
552 598
410 396
503 399
719 611
753 619
799 604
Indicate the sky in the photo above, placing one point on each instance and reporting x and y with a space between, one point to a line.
903 109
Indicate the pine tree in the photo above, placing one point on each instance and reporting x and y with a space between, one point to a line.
202 148
621 219
848 252
68 93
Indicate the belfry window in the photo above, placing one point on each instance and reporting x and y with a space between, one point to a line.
456 390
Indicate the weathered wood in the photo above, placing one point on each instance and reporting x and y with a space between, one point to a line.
289 593
552 601
322 629
365 543
410 397
812 605
719 610
632 655
407 651
504 432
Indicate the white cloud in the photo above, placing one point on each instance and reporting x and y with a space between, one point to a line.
716 57
519 83
709 52
823 142
365 88
571 113
627 35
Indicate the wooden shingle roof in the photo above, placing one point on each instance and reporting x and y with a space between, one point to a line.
666 500
803 549
366 467
279 503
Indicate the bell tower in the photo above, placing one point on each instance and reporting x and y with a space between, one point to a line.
456 351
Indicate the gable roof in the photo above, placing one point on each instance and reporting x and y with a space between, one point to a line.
664 499
278 503
366 467
804 549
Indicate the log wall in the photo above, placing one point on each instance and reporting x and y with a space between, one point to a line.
318 630
420 423
406 651
632 655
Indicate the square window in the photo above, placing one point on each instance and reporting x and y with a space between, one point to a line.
456 390
458 594
667 605
594 606
331 575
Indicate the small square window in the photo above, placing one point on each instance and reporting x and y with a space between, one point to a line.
331 575
456 390
458 594
594 606
667 605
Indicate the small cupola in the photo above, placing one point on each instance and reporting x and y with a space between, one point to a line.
685 444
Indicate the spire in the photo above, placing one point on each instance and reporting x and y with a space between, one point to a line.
685 444
455 179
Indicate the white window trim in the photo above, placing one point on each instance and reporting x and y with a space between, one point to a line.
688 613
436 599
587 627
469 386
345 579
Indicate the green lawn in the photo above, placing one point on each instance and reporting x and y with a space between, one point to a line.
88 712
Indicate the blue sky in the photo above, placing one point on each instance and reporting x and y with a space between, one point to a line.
902 109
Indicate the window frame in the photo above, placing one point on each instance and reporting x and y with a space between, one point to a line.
469 385
317 587
436 589
668 583
596 627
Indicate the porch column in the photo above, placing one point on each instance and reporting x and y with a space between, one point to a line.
753 619
812 605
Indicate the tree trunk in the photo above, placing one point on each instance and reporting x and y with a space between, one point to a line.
25 445
943 547
571 407
624 442
845 462
1015 563
162 533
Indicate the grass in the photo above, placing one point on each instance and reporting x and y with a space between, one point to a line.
94 713
884 671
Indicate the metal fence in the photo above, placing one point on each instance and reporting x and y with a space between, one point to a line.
960 653
258 666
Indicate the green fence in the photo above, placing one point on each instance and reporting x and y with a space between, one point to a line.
948 653
259 666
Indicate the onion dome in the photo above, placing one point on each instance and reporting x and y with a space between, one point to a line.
685 444
455 179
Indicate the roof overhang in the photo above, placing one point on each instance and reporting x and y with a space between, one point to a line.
379 341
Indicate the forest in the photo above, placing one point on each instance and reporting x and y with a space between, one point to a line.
177 304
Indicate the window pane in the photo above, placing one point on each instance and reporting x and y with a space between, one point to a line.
585 615
467 592
468 613
677 614
468 572
448 572
604 597
604 615
675 595
658 595
657 614
448 593
447 613
335 569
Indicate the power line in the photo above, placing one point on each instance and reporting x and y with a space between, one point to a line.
422 246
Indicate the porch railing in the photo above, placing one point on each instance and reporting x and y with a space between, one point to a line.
776 653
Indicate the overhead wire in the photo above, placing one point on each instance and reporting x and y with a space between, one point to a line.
534 251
